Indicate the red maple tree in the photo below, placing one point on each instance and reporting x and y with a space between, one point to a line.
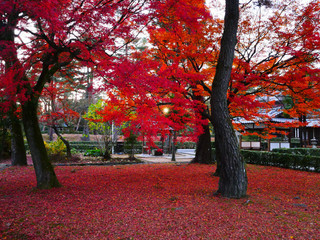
59 33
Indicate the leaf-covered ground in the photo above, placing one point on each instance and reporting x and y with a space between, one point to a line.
158 201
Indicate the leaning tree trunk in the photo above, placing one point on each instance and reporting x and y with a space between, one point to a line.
46 177
65 141
18 150
203 147
233 177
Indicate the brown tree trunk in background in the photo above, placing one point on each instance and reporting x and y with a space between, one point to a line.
106 154
9 55
233 177
203 147
303 132
65 141
18 150
304 117
50 133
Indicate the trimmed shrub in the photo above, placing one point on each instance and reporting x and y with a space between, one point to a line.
84 146
185 145
93 153
136 148
283 160
299 151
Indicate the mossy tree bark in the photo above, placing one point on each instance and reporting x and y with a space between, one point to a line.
233 177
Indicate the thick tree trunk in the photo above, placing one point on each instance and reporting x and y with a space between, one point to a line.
4 144
233 177
18 150
46 177
232 173
203 147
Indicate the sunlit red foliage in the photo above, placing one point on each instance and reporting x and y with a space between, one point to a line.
158 202
277 54
168 75
138 90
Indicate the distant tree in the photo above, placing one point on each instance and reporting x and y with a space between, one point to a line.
104 128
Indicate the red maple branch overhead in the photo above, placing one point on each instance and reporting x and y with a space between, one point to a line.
60 34
147 83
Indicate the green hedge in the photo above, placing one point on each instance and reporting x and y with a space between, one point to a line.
79 146
298 151
84 143
93 153
186 145
137 148
284 160
84 146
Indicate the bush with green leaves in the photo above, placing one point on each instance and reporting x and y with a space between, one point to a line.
56 150
103 128
186 145
84 146
284 160
93 153
299 151
56 147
